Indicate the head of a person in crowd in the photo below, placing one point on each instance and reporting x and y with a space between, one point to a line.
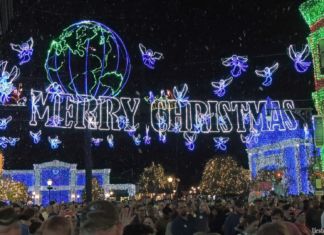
35 227
138 229
141 211
167 212
301 218
100 218
149 222
203 207
57 225
277 215
17 208
239 206
27 215
9 222
274 228
307 204
251 224
182 209
313 218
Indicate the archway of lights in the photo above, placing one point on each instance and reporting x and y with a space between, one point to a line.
87 67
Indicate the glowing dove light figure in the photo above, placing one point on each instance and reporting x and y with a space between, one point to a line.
54 142
13 141
267 73
198 125
131 129
25 50
180 95
150 98
299 58
4 122
149 57
96 141
220 143
36 136
147 138
110 140
238 64
137 139
6 80
190 140
219 87
252 136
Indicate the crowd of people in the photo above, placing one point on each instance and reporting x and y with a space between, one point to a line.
192 216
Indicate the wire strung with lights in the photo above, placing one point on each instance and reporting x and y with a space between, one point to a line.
96 141
190 140
180 95
110 141
6 81
54 142
147 138
220 143
137 139
4 122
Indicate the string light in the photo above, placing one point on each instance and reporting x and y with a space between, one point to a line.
299 58
96 141
36 136
131 129
110 140
147 138
180 95
238 64
25 50
149 57
267 73
4 141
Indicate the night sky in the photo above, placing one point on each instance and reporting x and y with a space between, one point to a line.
193 39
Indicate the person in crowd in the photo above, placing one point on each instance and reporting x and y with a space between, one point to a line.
184 223
138 229
9 222
274 228
277 215
202 218
57 225
301 224
161 223
26 220
233 218
149 222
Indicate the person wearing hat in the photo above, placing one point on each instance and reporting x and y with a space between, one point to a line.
9 222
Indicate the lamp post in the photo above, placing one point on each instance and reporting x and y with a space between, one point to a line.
49 187
170 180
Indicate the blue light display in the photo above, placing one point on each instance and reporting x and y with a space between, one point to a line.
25 50
149 57
238 64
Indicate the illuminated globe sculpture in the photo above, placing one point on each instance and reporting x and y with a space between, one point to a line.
88 58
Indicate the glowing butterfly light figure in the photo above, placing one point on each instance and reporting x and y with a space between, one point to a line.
4 122
54 89
6 80
36 136
149 57
25 50
3 142
176 127
190 140
110 140
238 64
162 121
252 136
54 142
180 95
122 122
137 139
147 138
162 137
267 73
220 143
131 129
55 121
96 141
219 87
13 141
150 98
299 58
